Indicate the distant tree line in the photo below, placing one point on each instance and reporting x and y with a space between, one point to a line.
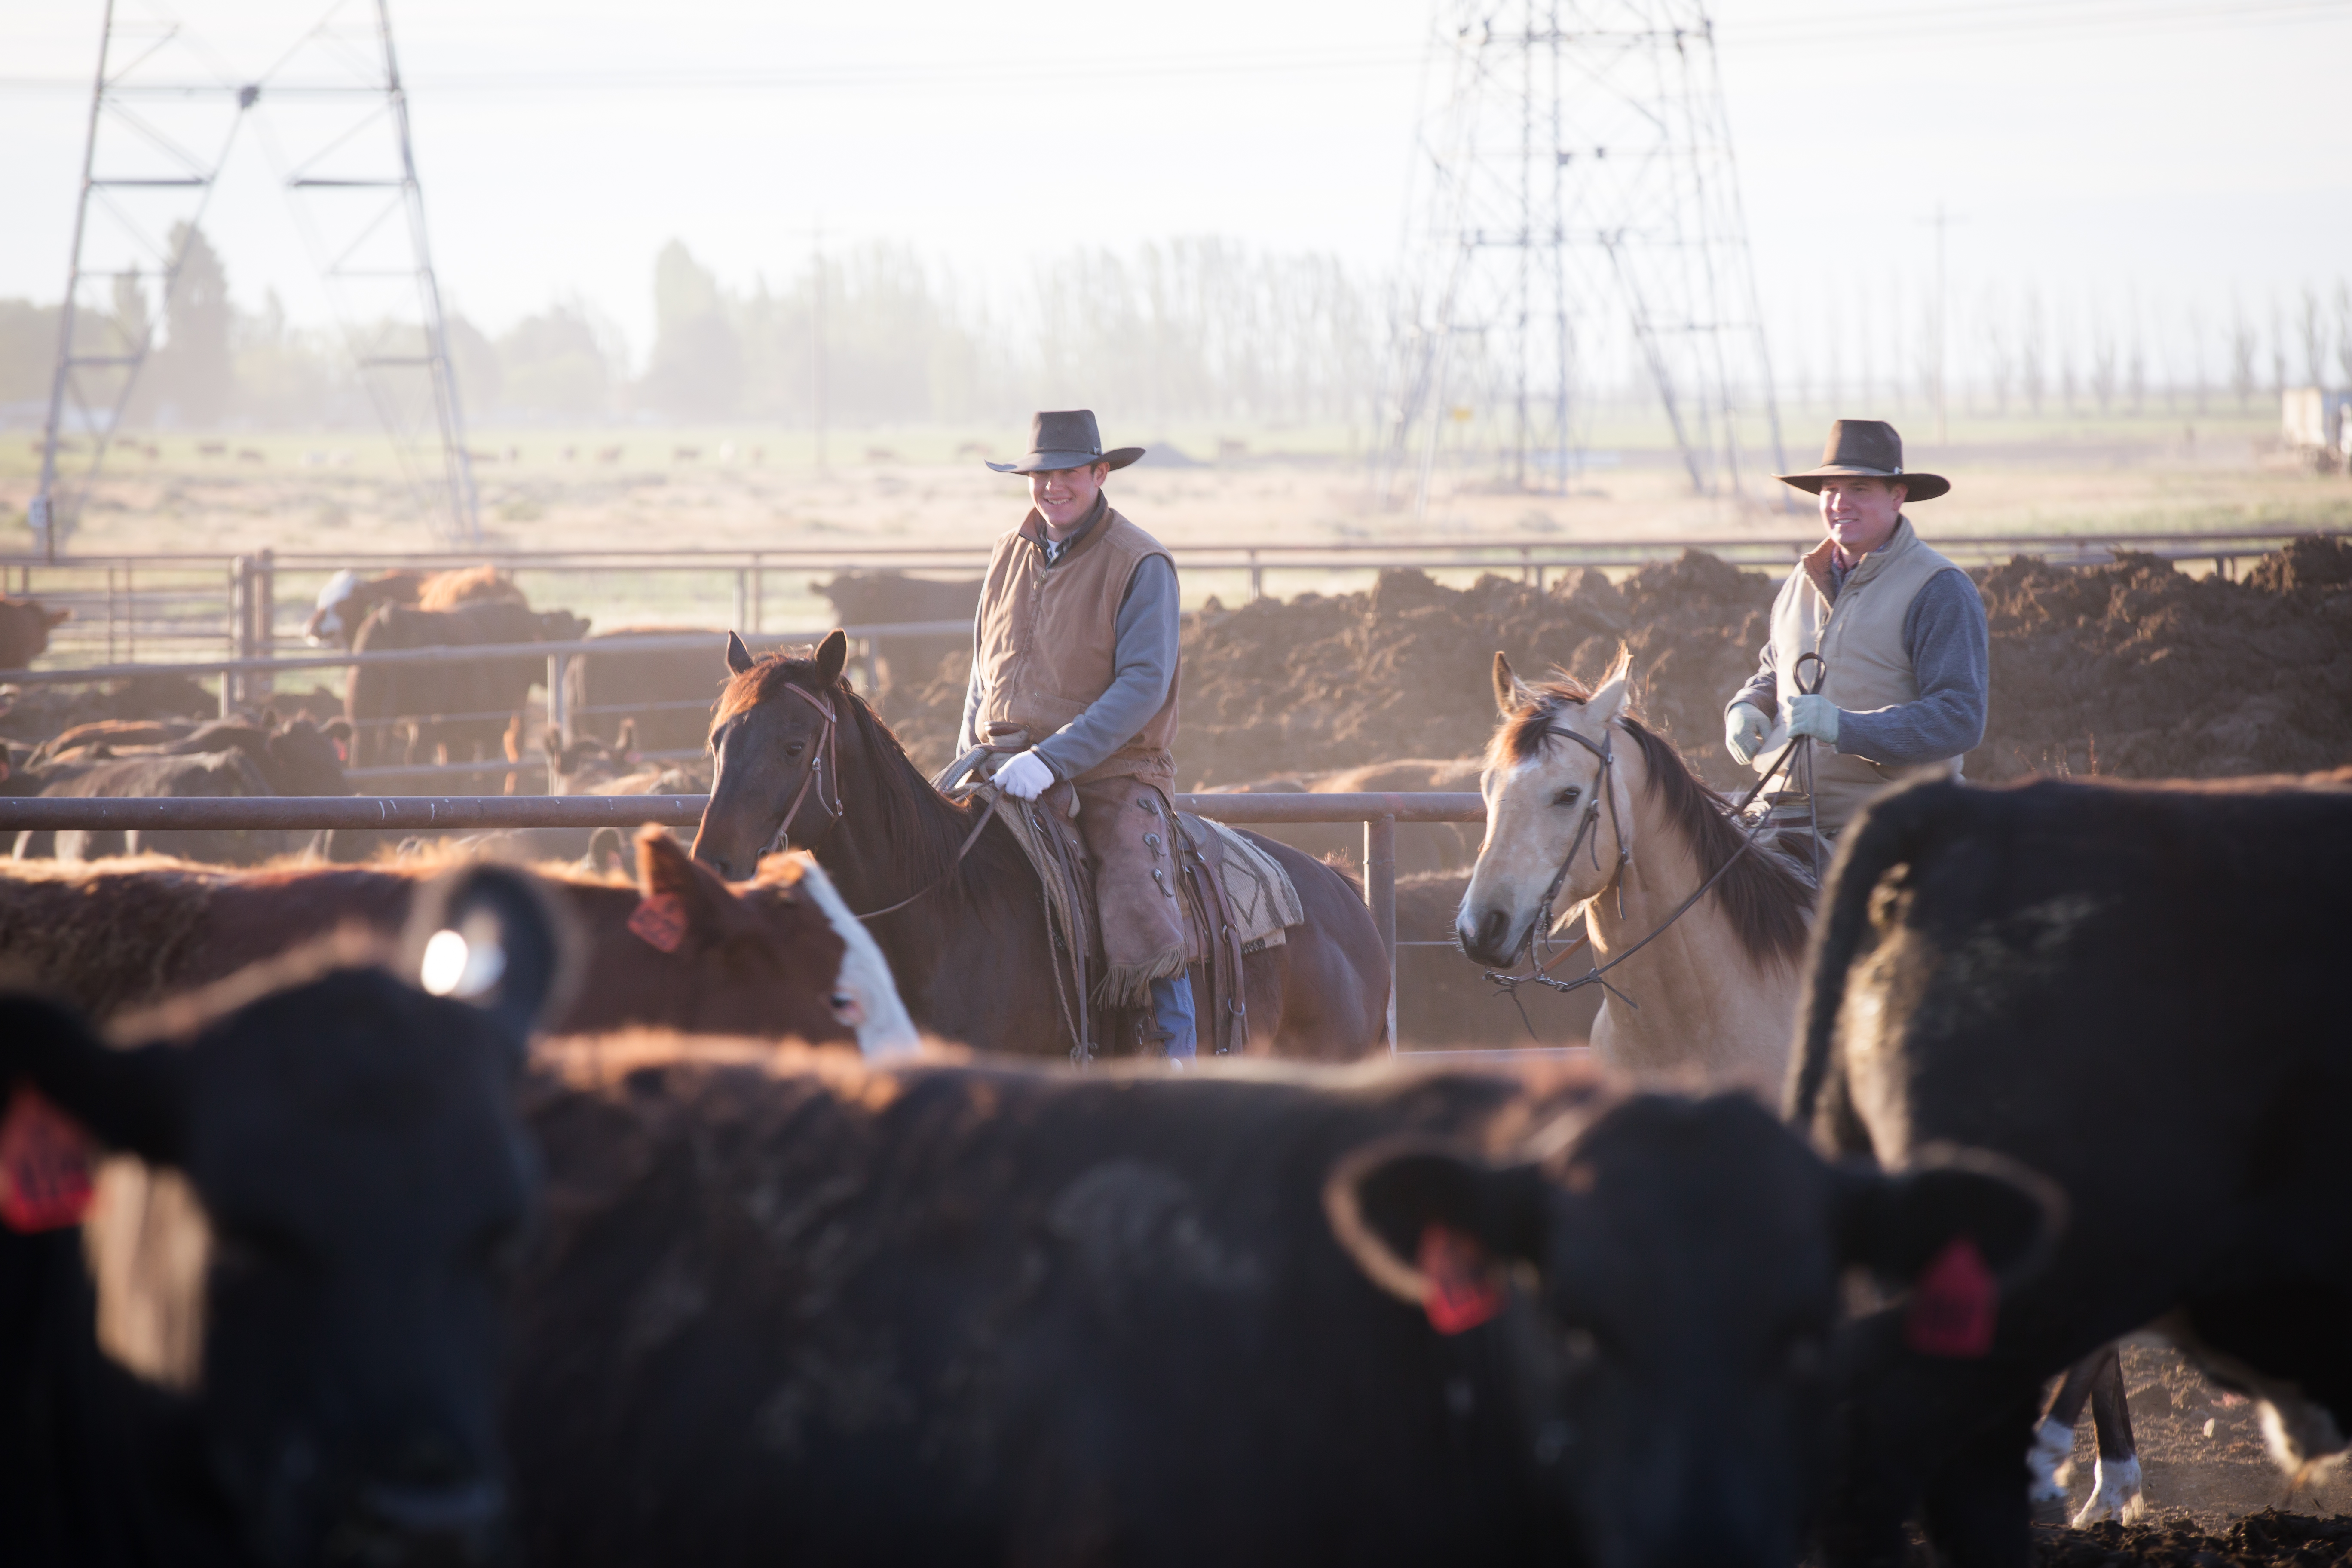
1186 330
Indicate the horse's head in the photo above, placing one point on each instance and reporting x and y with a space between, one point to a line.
773 750
1558 806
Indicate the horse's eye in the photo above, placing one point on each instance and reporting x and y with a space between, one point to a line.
1568 796
795 748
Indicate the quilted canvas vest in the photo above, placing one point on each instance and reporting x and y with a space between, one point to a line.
1860 639
1048 640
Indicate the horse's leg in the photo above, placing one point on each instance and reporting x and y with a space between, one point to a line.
2116 1494
2052 1458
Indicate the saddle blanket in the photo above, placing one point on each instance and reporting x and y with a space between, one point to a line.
1258 891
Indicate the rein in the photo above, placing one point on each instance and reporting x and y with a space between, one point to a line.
828 760
1538 970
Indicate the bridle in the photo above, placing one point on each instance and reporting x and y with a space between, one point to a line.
827 760
1539 967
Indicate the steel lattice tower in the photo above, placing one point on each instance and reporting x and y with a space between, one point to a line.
162 100
1573 182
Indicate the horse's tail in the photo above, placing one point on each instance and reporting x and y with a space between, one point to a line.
1886 835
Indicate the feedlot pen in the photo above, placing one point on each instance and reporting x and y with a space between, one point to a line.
1380 813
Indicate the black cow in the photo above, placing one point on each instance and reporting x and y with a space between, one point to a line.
792 1311
2136 989
882 598
232 757
463 711
667 697
284 1348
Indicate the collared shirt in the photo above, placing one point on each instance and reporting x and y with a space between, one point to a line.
1054 549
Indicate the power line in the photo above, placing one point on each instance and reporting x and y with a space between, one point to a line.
2033 20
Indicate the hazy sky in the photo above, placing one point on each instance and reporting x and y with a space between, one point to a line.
2101 150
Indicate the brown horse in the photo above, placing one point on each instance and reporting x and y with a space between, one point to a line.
799 755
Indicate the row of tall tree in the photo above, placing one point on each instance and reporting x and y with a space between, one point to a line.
1186 330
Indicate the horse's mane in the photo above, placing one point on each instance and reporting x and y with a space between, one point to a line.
923 828
1768 900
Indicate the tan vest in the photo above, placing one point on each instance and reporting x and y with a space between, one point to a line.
1047 640
1860 639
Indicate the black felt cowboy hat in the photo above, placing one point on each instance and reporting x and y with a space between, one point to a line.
1867 449
1066 440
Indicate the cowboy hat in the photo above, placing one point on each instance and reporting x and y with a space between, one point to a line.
1066 440
1866 449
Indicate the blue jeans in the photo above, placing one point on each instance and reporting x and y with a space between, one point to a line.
1171 1006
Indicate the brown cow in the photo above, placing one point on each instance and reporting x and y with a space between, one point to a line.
348 599
677 948
25 628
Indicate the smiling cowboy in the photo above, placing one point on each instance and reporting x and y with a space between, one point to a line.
1074 651
1899 630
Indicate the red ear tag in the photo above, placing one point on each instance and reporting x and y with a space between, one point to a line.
44 1165
659 920
1952 1304
1462 1290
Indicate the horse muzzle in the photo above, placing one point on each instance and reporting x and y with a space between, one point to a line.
1489 937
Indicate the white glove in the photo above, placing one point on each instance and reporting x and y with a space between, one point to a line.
1026 777
1814 715
1744 728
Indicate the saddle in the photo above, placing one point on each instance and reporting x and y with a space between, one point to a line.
1237 899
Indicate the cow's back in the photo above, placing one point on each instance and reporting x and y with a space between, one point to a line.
841 1288
2131 989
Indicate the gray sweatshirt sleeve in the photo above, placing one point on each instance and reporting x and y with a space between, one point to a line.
1945 635
1143 662
968 734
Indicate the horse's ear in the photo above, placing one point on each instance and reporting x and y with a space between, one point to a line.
1610 701
1510 691
738 658
830 655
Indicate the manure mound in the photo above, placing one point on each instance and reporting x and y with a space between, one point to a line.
2132 670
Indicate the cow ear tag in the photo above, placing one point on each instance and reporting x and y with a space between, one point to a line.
1462 1289
44 1161
1953 1305
659 920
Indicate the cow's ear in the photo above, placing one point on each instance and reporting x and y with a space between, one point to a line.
488 936
1903 1225
133 1100
738 658
830 655
1433 1224
337 729
689 899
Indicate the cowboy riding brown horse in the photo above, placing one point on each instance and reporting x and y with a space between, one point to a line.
953 899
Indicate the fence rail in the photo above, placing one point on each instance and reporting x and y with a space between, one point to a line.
1380 813
123 603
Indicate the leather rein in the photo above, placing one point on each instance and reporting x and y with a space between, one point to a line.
1539 967
828 761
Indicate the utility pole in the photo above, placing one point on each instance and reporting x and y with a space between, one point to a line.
817 341
338 90
1943 336
1574 184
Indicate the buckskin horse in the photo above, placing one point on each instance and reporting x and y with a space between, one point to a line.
1585 807
953 900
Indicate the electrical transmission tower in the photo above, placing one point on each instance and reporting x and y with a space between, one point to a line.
1573 196
165 113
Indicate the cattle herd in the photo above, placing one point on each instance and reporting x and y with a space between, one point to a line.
421 1205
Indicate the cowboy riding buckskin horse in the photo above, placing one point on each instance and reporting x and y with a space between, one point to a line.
1897 631
1073 703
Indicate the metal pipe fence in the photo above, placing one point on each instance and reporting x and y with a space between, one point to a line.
125 604
1380 813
